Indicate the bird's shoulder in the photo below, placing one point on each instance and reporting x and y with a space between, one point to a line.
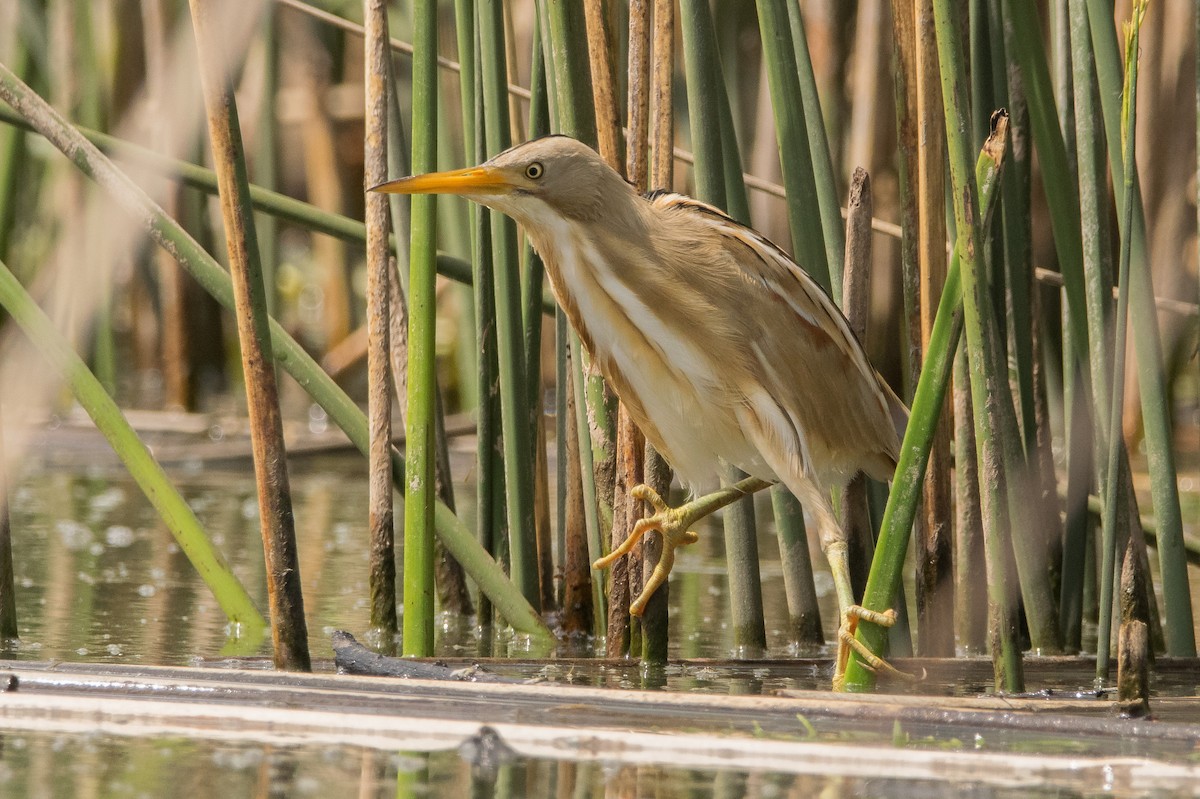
764 266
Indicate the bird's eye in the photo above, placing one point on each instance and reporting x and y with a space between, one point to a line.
534 170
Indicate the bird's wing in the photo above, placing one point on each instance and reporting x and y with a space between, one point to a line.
815 371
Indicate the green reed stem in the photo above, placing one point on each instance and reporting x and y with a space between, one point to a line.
595 412
235 602
1117 406
419 487
832 228
708 106
791 129
514 411
890 549
1160 455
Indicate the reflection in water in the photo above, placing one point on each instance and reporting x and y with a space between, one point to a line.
51 765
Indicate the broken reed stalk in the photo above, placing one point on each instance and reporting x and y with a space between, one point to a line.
855 295
171 507
1112 523
289 631
420 488
381 579
287 352
661 138
892 544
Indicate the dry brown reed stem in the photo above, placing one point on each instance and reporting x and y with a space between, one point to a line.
627 467
288 627
660 166
935 594
662 125
577 575
608 123
171 293
856 305
382 568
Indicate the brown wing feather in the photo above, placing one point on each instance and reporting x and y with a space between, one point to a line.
814 366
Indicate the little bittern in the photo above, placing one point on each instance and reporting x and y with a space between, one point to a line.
720 346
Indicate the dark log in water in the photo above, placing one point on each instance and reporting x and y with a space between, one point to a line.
352 657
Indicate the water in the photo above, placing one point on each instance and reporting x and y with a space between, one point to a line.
101 581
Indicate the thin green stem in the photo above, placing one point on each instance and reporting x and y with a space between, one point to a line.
514 414
419 488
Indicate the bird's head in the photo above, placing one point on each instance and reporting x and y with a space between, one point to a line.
534 182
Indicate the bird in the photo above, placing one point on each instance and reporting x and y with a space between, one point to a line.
722 348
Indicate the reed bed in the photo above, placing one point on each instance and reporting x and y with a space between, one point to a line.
998 305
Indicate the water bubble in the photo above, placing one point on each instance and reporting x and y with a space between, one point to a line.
118 535
250 508
147 590
75 536
114 649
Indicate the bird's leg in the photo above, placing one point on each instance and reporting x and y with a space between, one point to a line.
850 614
673 524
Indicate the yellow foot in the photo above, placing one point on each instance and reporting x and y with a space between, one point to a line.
672 523
846 641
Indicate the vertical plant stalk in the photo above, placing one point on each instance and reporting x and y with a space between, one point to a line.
629 441
986 390
970 577
604 96
1113 522
661 172
1160 455
514 414
595 413
833 233
935 598
8 585
171 507
856 302
420 488
631 444
381 580
290 355
532 283
289 630
791 130
928 400
577 618
705 95
174 309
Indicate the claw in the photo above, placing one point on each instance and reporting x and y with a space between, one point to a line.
672 524
846 641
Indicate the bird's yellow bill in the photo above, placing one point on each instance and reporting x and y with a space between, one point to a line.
472 180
